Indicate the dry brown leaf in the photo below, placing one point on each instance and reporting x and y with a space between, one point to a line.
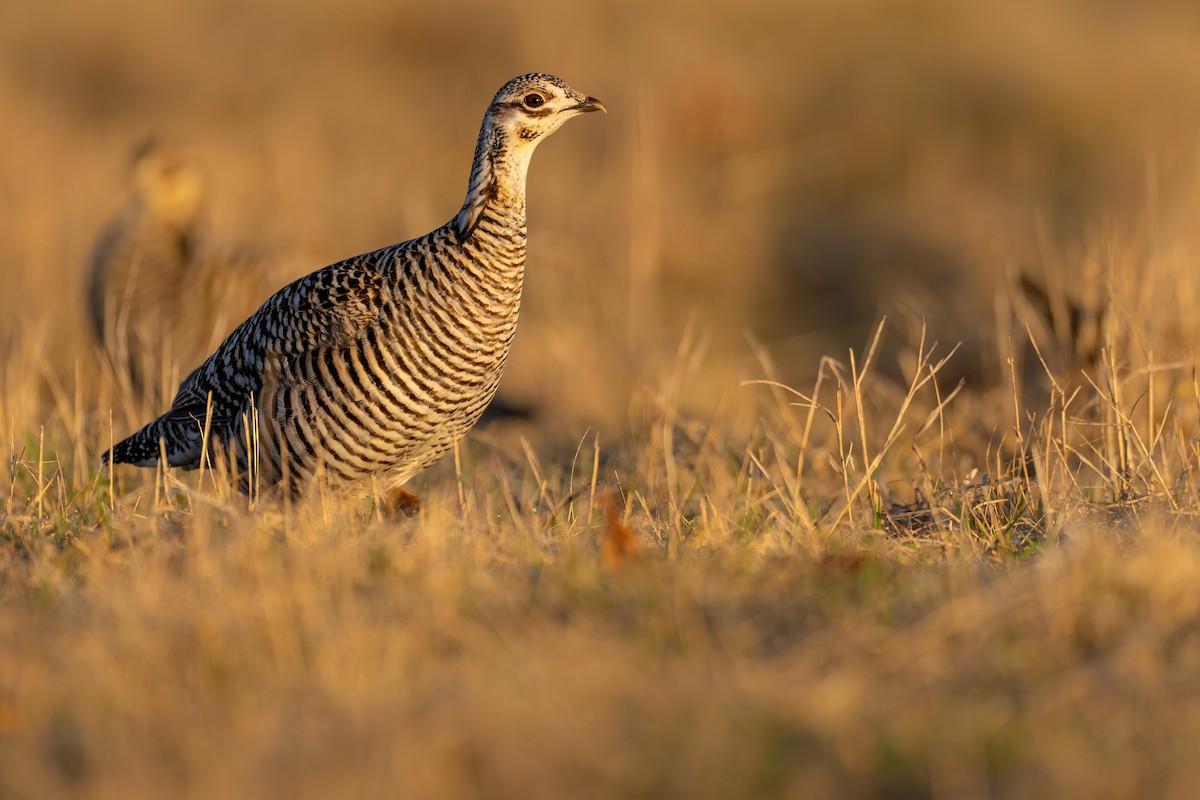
618 543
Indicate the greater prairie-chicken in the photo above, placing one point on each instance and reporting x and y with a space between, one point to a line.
142 259
161 294
367 371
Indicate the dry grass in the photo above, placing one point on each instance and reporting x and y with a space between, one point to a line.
754 543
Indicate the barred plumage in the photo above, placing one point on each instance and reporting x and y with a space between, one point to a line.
370 369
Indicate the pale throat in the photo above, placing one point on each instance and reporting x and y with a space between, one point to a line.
498 176
510 168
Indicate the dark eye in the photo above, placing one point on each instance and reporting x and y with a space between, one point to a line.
533 100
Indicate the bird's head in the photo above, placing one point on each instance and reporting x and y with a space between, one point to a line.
531 107
167 179
525 111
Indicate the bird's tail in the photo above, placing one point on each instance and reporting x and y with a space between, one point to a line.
179 439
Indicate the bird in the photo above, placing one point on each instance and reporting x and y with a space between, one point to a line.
364 373
142 258
1076 325
160 291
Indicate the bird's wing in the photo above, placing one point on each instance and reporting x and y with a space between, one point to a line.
327 308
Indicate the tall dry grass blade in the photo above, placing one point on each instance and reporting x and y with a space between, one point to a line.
595 474
536 469
205 431
459 484
41 492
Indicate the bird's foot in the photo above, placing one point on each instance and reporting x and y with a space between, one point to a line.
399 504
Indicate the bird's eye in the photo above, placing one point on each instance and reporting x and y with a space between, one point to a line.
533 100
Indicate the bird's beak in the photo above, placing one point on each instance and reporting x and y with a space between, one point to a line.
589 104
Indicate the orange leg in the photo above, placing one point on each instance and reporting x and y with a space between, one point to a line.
399 504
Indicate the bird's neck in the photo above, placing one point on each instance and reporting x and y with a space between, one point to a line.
497 181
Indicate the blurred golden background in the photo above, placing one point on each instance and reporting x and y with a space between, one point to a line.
885 595
786 173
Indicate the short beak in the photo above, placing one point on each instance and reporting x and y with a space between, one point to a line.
590 104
